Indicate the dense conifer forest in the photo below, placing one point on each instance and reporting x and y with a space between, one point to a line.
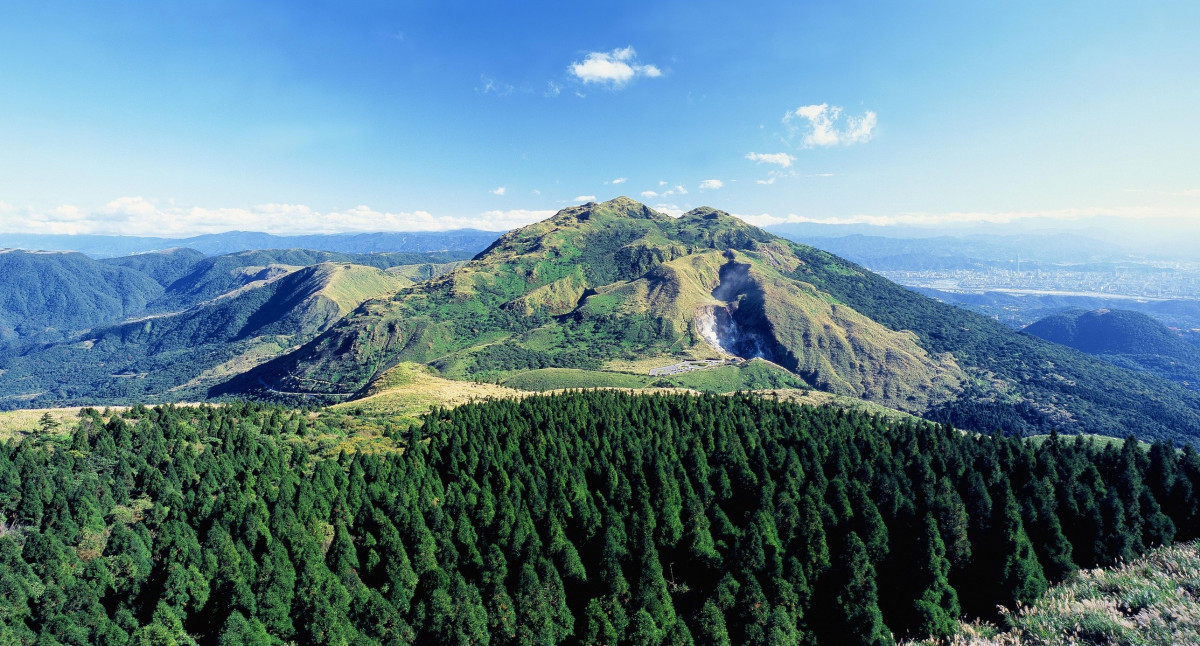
586 517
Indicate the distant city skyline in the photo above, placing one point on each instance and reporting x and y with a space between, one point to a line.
184 119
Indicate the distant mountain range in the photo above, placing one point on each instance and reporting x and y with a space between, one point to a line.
468 241
884 253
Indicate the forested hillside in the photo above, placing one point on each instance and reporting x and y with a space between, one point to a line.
1128 339
588 517
180 355
48 296
165 267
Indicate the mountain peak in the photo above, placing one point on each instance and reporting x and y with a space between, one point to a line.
622 207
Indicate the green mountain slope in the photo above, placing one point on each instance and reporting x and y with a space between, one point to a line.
1129 339
45 296
617 282
165 267
618 287
177 356
219 275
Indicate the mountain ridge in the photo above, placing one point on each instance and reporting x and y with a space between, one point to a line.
603 285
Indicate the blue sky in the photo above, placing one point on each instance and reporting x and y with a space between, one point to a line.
175 118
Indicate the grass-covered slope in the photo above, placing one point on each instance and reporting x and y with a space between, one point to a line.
176 356
601 287
218 275
1125 338
617 282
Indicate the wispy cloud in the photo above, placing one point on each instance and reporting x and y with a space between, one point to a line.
619 180
823 125
136 215
711 184
613 69
492 86
584 198
499 190
783 160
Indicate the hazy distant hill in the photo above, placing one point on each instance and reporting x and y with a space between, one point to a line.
1129 339
1019 309
464 241
957 252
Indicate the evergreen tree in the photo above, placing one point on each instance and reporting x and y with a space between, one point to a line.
936 608
857 619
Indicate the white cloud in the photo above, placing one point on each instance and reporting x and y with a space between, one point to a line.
676 190
584 198
552 89
711 184
783 160
818 125
142 216
506 220
619 180
1191 192
499 190
613 69
760 220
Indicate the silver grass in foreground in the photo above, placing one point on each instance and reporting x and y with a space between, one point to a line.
1150 601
